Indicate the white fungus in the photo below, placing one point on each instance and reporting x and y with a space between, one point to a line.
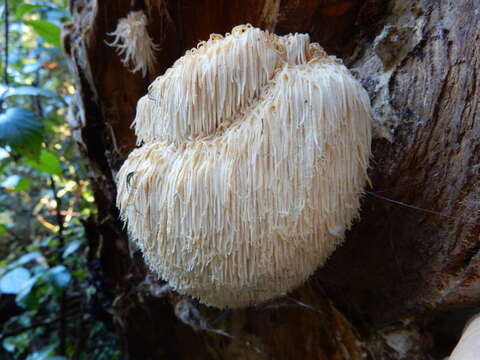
468 347
134 44
254 158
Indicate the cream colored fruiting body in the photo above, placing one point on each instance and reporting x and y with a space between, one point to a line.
255 156
134 44
468 347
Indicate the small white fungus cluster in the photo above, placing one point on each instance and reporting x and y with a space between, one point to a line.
134 44
255 155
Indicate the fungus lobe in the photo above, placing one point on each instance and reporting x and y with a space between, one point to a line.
134 44
255 156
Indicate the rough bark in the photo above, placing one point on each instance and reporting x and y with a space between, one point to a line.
406 279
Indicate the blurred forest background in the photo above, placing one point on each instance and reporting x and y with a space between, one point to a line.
49 305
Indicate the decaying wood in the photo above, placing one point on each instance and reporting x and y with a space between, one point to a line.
406 279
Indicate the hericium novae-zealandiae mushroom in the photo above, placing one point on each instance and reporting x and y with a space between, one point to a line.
134 44
254 159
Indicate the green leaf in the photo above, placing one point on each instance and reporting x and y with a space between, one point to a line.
16 183
11 181
47 162
26 258
30 295
43 354
71 248
6 217
48 31
59 276
49 241
14 281
23 184
3 229
29 90
23 9
19 343
30 68
4 155
9 344
22 130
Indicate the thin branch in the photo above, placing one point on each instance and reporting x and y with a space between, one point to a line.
5 70
295 303
58 212
413 207
34 325
59 217
80 332
26 328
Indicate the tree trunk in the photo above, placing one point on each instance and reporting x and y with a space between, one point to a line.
406 279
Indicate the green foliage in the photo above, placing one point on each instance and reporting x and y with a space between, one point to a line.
29 90
21 130
15 183
48 31
23 9
44 201
14 281
47 161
